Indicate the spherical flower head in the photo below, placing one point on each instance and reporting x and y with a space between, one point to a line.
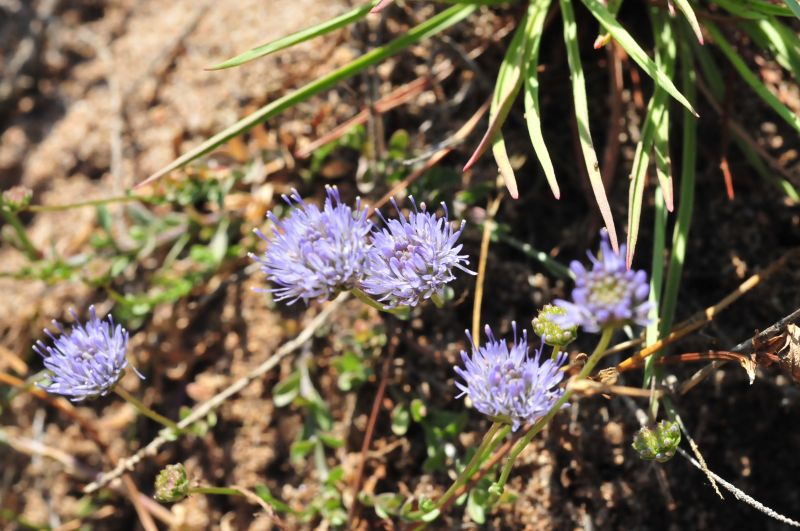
659 442
412 259
506 384
608 295
546 325
172 484
313 253
87 361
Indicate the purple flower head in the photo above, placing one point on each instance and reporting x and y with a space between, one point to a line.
413 258
87 361
504 382
313 253
608 295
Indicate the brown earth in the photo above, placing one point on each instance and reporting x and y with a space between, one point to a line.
109 92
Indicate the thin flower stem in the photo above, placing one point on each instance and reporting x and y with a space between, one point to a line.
89 203
555 353
27 246
144 410
225 491
469 469
400 312
605 339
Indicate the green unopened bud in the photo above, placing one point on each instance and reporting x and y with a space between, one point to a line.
16 198
551 332
658 443
172 485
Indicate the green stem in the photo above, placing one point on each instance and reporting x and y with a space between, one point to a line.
91 202
225 491
400 312
12 219
601 347
144 410
554 355
474 462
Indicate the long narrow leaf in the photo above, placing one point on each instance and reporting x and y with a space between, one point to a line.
657 110
656 281
794 6
768 8
635 51
778 39
506 89
691 18
663 161
296 38
683 221
666 52
582 118
751 79
716 86
740 9
531 79
430 27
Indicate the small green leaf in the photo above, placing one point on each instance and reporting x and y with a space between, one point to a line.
301 449
118 265
330 441
387 504
285 392
263 492
476 505
418 410
400 420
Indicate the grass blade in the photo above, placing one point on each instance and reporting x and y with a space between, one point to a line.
651 334
506 89
603 38
751 79
629 44
794 6
582 118
683 218
716 86
663 161
430 27
691 18
778 39
531 96
657 109
666 52
296 38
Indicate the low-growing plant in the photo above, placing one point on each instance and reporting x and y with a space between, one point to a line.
402 266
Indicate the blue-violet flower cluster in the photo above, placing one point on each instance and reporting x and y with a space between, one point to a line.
87 361
608 295
413 258
317 253
505 382
313 253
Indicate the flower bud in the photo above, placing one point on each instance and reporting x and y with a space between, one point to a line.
546 326
16 198
658 443
172 485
